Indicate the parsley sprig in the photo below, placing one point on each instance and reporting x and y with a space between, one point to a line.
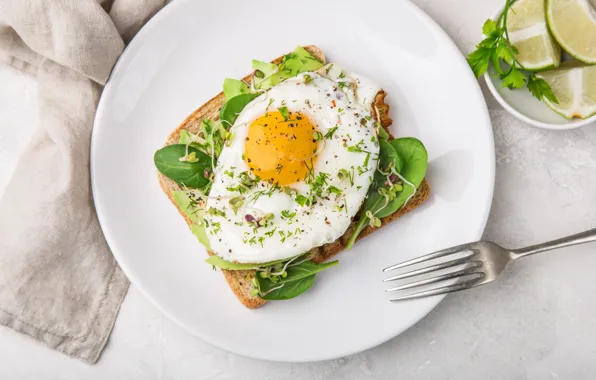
497 48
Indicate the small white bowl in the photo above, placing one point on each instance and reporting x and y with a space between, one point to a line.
523 105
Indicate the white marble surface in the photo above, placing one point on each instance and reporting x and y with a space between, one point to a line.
538 322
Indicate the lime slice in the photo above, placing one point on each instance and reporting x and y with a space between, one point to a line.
573 85
528 31
573 24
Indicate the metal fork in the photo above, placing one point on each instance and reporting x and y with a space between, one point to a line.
484 262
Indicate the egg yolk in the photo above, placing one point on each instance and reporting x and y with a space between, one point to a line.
281 149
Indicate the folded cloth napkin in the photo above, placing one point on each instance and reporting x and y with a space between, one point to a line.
58 280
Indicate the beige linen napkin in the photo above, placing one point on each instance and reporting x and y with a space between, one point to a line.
58 280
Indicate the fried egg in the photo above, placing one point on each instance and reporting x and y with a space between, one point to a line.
296 170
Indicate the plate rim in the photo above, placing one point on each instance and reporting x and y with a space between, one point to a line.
138 38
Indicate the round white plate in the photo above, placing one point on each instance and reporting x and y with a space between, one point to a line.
179 60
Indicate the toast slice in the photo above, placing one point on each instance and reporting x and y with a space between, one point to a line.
240 281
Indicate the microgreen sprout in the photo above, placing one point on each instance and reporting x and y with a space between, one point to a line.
236 203
191 157
330 132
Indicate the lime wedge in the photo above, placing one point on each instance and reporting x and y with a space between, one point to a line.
573 24
528 31
573 85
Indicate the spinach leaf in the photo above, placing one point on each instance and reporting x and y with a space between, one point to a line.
230 110
296 273
383 135
290 290
387 156
399 161
190 174
374 201
415 159
410 158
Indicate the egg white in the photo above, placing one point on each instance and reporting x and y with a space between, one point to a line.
231 237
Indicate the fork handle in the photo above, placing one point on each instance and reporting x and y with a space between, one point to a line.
581 238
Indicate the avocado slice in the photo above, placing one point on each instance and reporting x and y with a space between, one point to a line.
292 64
184 137
184 202
266 68
201 233
220 263
300 61
234 87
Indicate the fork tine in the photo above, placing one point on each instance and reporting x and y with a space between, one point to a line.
432 268
431 256
444 290
433 280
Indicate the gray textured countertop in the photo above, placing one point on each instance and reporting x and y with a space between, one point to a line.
538 322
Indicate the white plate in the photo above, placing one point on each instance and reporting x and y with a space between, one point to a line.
179 60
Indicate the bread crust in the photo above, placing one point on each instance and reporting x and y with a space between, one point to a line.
240 281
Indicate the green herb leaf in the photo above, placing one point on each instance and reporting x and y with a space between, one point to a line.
302 200
357 148
287 214
344 174
285 113
479 59
489 28
193 175
236 203
513 79
334 190
505 52
216 212
330 132
541 89
497 48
